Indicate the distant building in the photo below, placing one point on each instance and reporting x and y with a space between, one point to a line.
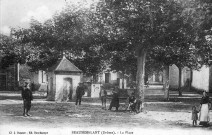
198 79
155 78
174 76
112 78
9 77
202 79
40 80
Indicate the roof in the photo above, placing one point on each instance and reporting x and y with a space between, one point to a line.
64 65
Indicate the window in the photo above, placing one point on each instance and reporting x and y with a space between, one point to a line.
43 77
107 77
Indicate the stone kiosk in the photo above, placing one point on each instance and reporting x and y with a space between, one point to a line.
63 79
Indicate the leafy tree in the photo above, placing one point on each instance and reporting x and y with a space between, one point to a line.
199 15
189 48
163 29
139 25
11 51
125 62
70 32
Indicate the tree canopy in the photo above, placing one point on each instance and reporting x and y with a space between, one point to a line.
128 34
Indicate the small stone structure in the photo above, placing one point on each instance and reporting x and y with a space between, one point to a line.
63 79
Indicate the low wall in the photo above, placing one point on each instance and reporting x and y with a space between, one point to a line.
201 79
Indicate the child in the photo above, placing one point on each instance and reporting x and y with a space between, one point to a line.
27 98
194 115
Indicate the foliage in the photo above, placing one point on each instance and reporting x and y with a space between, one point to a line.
69 32
199 15
122 34
11 51
143 28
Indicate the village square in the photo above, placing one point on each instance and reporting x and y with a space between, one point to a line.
109 67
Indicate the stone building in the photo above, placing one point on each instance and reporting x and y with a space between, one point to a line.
63 79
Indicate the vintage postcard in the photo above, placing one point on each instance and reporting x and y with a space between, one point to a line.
105 67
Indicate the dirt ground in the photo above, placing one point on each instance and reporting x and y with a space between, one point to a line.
159 116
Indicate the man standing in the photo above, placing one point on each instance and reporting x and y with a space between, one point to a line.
79 93
103 96
27 98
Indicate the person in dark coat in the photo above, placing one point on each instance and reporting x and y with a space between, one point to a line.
115 99
79 93
27 98
132 102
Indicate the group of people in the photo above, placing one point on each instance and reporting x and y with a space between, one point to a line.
80 91
203 110
133 103
27 97
114 101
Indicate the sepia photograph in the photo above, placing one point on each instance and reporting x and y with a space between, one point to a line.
105 67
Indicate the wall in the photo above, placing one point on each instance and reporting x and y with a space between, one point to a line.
173 76
39 78
186 75
60 84
114 78
34 78
201 79
210 79
51 86
9 78
42 77
155 78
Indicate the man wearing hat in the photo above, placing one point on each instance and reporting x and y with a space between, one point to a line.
79 93
27 98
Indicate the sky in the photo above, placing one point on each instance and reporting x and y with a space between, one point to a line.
17 13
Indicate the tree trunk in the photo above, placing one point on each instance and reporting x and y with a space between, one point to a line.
123 79
141 58
166 82
180 80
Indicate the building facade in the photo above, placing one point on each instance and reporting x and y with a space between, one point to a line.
9 78
197 79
